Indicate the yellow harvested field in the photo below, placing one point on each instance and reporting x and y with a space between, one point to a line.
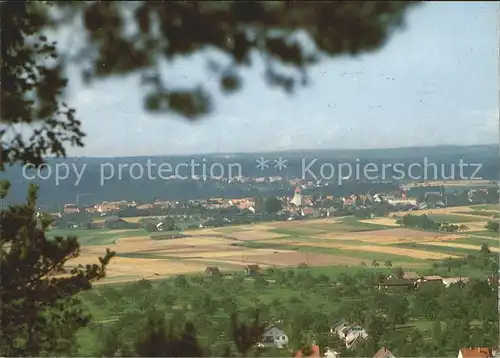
294 258
328 244
140 244
418 254
142 267
254 235
122 265
199 248
381 221
227 262
392 233
241 254
463 246
174 251
122 279
175 242
287 241
391 236
305 224
197 241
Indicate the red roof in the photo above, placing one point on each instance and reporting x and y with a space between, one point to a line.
383 353
314 353
477 352
493 280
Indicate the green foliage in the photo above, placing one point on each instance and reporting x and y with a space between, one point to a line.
157 342
150 227
32 64
485 249
426 222
492 226
32 87
40 309
4 188
273 205
304 305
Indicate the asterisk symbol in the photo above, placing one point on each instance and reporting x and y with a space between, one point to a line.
262 163
280 163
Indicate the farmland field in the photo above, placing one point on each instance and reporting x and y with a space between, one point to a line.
487 207
453 219
342 242
97 236
490 234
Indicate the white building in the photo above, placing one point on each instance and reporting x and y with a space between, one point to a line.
273 336
349 333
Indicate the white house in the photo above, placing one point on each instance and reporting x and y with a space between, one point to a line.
274 336
349 333
353 334
330 353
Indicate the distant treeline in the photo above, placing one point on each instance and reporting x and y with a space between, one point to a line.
425 223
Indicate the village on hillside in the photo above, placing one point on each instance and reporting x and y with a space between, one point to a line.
215 212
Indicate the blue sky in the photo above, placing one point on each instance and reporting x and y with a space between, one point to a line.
445 91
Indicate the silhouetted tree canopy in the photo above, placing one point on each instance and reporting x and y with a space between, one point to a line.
40 312
144 37
40 308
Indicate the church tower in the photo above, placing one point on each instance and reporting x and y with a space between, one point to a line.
297 197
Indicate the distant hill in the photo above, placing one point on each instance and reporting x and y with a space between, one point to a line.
149 188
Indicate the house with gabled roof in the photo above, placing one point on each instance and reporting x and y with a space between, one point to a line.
424 280
494 281
411 275
350 333
339 327
212 271
407 275
354 334
252 270
388 284
475 352
273 336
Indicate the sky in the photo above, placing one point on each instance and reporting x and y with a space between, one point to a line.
444 91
